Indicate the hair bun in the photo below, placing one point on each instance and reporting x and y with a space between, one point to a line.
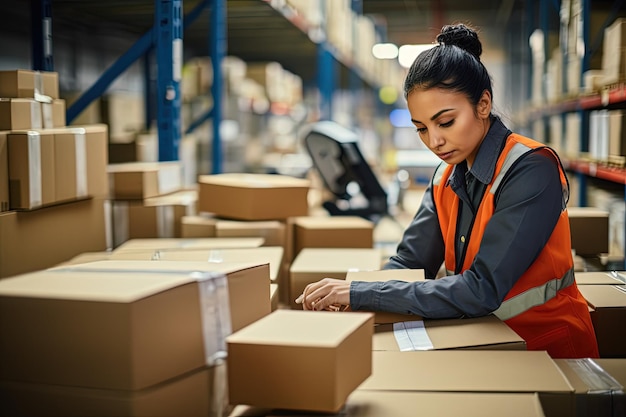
462 36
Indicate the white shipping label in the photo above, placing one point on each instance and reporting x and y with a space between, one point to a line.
411 335
80 144
34 169
213 290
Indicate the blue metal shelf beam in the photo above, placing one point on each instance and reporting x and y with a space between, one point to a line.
41 16
136 51
218 45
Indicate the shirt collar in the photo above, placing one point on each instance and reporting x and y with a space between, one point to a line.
485 163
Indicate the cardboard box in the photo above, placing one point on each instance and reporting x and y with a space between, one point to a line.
272 231
70 157
253 196
600 278
139 180
322 358
87 257
482 333
156 217
248 282
163 244
409 275
197 226
4 172
474 371
53 114
111 330
589 229
332 232
33 240
440 404
22 83
314 264
19 114
598 393
189 395
32 170
617 369
608 314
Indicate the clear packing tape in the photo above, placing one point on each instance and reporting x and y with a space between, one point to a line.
597 379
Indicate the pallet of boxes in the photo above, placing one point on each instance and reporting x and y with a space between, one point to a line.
53 180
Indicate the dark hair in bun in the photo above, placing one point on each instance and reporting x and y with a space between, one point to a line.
454 64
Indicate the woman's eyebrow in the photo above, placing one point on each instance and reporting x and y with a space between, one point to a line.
439 113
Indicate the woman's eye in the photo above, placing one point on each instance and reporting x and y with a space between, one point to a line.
420 129
447 124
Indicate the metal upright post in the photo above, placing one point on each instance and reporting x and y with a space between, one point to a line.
168 27
325 80
41 16
218 45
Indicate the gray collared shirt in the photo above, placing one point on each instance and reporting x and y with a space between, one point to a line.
527 208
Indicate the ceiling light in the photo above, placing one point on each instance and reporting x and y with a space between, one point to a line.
385 51
408 53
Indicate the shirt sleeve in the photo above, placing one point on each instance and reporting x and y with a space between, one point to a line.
527 209
422 245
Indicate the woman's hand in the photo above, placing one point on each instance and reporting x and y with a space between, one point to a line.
326 294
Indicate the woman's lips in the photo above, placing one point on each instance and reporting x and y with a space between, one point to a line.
445 155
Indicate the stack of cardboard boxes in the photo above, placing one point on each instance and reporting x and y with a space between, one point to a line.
53 181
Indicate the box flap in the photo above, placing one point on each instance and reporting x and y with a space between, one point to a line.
599 277
337 259
301 328
467 371
604 296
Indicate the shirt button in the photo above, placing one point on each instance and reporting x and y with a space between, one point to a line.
463 239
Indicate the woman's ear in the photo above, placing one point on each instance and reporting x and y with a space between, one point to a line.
483 108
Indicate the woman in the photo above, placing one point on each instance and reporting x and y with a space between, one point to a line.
494 214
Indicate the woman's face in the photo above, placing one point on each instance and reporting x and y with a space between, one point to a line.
448 124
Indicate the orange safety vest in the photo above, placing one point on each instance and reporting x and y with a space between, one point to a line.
544 306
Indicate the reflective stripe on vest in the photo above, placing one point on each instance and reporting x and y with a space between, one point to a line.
533 297
439 173
516 151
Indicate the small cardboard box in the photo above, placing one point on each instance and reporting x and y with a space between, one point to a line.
4 172
31 170
189 395
314 264
139 180
197 226
20 114
601 278
332 232
110 330
474 371
22 83
608 314
409 275
598 393
482 333
155 217
440 404
253 196
272 231
248 282
589 229
38 239
322 358
53 114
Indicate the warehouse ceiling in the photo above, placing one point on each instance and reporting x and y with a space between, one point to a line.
256 32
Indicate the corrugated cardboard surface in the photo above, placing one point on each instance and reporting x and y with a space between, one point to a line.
411 404
188 243
272 231
589 229
106 330
253 196
139 180
313 264
472 333
474 371
197 226
608 314
32 240
188 395
4 172
248 282
333 232
598 278
300 360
